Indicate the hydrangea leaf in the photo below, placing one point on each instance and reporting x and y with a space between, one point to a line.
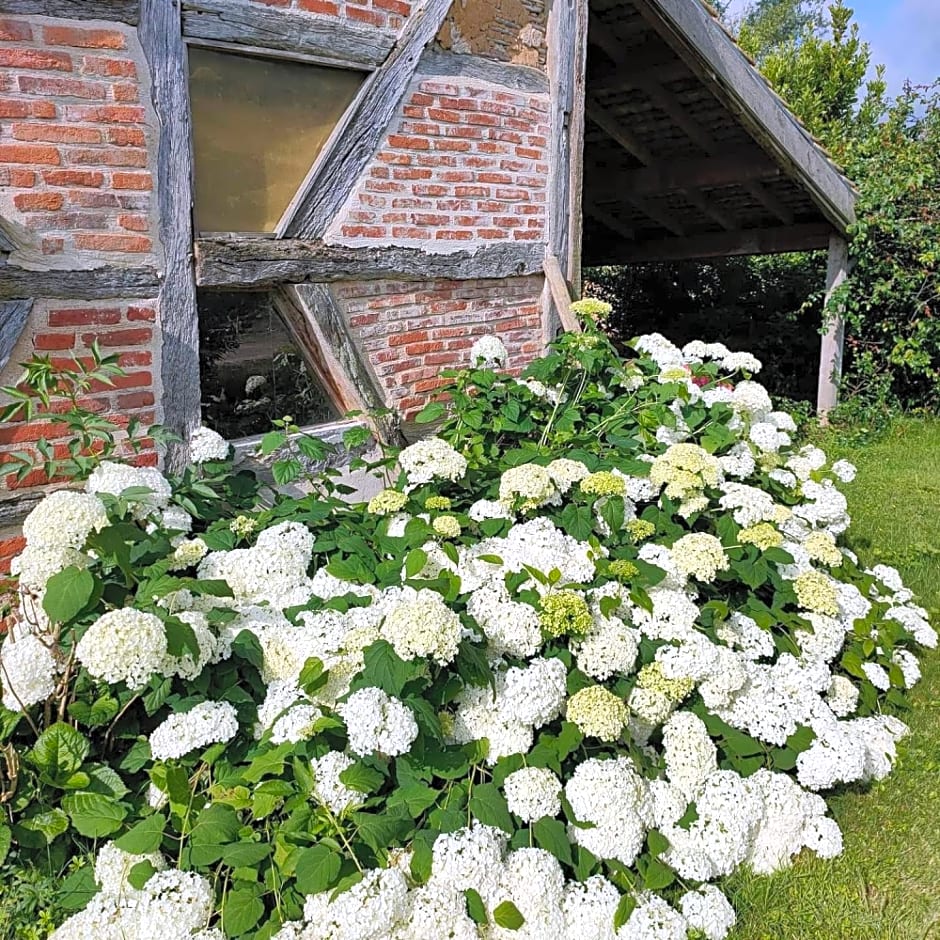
58 752
476 909
488 805
552 836
145 837
94 815
318 868
508 915
67 593
241 910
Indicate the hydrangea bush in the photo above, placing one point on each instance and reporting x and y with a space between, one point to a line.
597 643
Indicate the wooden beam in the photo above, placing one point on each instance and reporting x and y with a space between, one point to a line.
609 221
806 237
95 284
561 294
112 11
268 262
341 356
732 167
352 145
14 315
522 78
252 24
833 342
162 41
723 68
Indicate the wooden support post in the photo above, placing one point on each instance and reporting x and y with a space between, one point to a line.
161 37
561 295
830 359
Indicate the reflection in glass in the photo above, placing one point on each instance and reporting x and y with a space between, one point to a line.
252 370
258 125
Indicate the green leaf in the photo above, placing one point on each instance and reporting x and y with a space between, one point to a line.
100 712
417 797
433 411
379 831
476 909
287 470
144 837
141 873
625 908
6 840
216 826
473 665
272 441
77 889
415 561
658 876
94 815
243 854
657 842
488 805
58 752
50 824
317 869
180 638
385 669
67 593
552 836
362 778
508 915
577 521
241 910
313 676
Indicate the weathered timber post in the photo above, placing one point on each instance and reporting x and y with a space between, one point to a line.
830 358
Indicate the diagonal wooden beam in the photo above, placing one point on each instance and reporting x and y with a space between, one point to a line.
14 315
354 141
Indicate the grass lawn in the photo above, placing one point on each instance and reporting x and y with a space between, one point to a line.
886 884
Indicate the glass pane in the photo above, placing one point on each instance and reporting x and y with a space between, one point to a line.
258 124
252 370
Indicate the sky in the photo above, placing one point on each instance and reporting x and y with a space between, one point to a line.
904 36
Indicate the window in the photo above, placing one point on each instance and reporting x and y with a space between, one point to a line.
258 125
252 368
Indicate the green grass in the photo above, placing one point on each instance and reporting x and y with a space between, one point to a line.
886 884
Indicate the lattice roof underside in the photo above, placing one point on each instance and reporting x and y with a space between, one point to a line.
688 151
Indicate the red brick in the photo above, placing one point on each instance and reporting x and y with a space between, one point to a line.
53 246
10 108
319 6
126 92
363 231
127 137
95 65
57 133
28 432
134 223
108 157
128 243
128 359
129 380
84 38
35 59
403 339
138 181
87 316
135 400
92 178
146 314
106 114
61 87
394 6
365 16
30 202
73 221
419 349
15 31
407 142
54 341
89 199
44 109
29 153
133 337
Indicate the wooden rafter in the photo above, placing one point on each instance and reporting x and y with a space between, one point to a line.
111 11
804 237
267 262
354 141
609 220
252 24
96 284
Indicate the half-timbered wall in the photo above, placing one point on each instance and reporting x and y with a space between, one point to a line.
421 226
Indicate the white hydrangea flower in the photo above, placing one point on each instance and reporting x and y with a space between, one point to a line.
691 755
204 724
469 858
533 792
529 486
511 627
699 555
421 624
654 919
65 519
39 561
610 647
206 444
125 645
28 671
114 478
488 352
328 788
378 723
844 470
431 459
741 362
113 865
188 553
589 908
708 911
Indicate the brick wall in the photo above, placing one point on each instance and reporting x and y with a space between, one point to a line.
409 332
465 162
390 14
76 150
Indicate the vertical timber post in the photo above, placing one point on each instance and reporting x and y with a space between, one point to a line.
830 358
161 37
567 58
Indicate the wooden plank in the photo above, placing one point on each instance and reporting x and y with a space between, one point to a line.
112 11
522 78
14 315
766 241
576 131
347 154
342 358
267 262
833 342
561 294
253 24
95 284
712 55
162 41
